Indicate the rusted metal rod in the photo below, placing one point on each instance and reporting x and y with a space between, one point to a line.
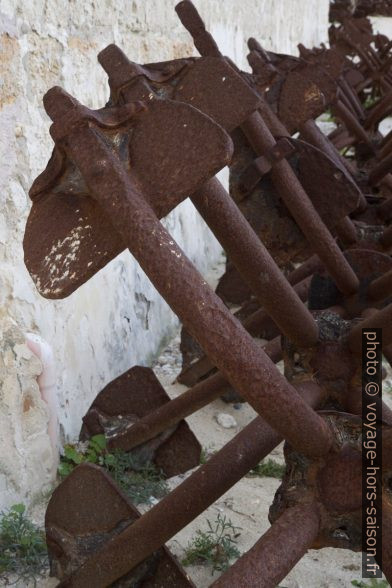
302 209
385 147
238 239
344 99
381 288
277 552
311 133
286 182
346 231
308 129
352 97
379 320
384 210
182 505
381 170
173 412
306 269
204 315
255 264
351 123
380 111
255 324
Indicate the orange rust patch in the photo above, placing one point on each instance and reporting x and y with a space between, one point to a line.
313 93
27 403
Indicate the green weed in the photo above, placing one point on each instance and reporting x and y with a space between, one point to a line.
22 546
206 453
215 547
140 482
268 469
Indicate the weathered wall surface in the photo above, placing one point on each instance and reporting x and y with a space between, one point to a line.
117 319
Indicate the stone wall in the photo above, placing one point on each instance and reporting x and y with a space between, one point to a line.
117 319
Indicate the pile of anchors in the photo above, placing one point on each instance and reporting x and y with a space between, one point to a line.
306 226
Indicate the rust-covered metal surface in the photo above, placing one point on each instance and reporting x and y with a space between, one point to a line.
246 366
80 239
85 512
123 403
301 222
343 9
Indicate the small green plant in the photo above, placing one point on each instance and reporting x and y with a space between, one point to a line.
22 546
268 469
370 101
328 116
206 453
94 452
140 482
215 547
373 583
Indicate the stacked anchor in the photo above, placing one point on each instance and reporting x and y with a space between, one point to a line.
106 186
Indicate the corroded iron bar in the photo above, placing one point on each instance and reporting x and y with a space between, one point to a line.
285 180
312 134
255 264
351 123
352 97
302 209
343 98
255 324
385 146
381 110
381 288
173 412
384 210
379 320
207 319
237 237
346 231
277 551
185 503
381 170
306 269
309 130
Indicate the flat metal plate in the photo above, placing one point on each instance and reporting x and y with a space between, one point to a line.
304 95
210 84
85 511
170 151
330 187
130 397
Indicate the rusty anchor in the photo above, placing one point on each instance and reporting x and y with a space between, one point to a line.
286 183
105 194
103 172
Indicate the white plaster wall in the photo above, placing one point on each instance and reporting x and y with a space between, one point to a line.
382 25
117 319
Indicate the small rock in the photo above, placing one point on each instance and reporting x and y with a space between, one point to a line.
226 420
